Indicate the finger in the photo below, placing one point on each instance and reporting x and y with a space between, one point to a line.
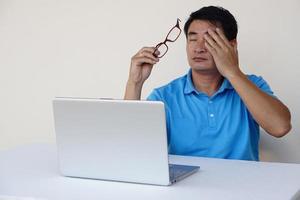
223 37
143 60
149 55
156 53
217 38
147 49
144 49
211 42
210 48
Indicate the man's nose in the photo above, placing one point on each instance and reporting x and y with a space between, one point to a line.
200 46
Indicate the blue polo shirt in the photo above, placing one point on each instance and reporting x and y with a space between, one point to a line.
219 126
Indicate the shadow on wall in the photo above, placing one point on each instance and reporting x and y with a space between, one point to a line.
296 196
274 149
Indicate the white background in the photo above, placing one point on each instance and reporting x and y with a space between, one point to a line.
83 48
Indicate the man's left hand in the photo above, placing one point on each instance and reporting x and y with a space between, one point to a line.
224 52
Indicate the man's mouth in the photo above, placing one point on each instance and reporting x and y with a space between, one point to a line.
199 59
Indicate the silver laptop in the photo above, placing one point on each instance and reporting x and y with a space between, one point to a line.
115 140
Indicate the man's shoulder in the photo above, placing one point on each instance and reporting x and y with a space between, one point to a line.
254 77
257 80
176 84
165 92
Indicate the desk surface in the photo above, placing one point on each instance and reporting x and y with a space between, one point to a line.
31 171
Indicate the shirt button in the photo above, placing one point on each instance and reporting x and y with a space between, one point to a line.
211 115
210 102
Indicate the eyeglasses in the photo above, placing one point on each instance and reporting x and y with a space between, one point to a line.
172 36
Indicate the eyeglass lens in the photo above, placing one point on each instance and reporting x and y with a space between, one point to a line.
162 48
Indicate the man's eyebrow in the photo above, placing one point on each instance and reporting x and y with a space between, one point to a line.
192 33
196 33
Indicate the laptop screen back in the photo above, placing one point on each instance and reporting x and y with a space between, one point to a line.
112 139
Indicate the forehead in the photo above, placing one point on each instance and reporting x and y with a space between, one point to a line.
200 26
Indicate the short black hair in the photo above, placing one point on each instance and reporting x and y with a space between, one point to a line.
217 16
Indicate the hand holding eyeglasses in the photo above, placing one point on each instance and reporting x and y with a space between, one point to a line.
142 62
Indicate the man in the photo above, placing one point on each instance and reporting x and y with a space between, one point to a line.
215 110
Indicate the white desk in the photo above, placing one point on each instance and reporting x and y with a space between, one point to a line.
31 171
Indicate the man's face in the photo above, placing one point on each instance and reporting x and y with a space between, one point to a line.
199 57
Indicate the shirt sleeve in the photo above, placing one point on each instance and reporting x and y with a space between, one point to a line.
155 96
262 84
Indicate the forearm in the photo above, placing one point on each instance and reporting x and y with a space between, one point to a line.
272 115
133 91
269 112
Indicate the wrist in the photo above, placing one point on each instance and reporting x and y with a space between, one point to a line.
134 84
133 90
234 74
236 79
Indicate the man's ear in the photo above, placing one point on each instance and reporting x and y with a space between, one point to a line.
233 42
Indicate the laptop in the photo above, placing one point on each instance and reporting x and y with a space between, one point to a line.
116 140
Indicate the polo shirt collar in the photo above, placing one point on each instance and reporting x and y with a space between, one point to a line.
189 86
225 85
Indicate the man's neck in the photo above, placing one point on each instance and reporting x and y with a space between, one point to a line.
208 83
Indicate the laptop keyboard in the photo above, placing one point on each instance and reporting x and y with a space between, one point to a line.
178 171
